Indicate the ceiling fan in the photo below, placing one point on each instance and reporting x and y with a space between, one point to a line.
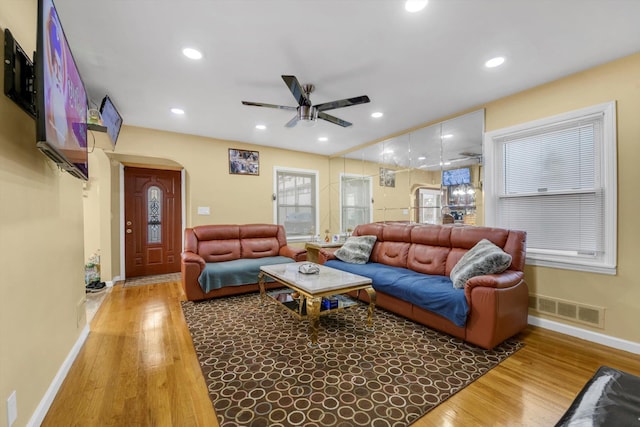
305 111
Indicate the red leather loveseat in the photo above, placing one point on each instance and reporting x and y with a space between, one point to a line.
232 254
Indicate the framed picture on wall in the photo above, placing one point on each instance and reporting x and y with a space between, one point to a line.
244 162
387 177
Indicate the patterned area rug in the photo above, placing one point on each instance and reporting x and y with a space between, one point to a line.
260 371
151 280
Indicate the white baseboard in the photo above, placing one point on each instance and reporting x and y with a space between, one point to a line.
44 405
620 344
113 281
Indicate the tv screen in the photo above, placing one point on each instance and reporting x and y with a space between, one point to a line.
111 119
61 122
456 177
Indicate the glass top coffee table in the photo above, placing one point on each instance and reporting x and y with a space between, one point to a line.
313 287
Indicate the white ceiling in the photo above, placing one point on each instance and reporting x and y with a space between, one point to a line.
416 68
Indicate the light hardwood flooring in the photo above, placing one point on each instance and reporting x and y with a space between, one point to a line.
138 368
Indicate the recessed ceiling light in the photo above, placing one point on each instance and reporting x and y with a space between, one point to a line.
447 136
415 5
323 139
192 53
494 62
261 127
178 111
377 115
422 158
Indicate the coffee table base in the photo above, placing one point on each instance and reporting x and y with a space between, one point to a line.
314 302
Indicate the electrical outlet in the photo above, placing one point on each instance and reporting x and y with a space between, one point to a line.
12 409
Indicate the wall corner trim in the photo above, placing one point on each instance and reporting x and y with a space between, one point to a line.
609 341
43 407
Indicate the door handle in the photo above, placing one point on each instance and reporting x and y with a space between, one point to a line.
129 231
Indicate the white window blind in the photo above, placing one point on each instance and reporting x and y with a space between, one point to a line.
551 187
355 201
555 179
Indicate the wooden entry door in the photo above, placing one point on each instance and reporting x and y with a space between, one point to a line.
153 221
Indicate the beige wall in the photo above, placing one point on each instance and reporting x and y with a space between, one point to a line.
232 199
99 214
616 81
41 214
41 248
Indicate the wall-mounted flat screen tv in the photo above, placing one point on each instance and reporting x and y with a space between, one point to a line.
111 119
61 99
456 176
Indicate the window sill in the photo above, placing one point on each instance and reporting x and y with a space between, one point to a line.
599 268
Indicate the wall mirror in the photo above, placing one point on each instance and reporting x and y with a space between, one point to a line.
401 178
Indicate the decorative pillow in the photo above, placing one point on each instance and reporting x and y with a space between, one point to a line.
483 258
356 249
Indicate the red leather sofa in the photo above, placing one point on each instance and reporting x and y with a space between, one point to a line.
498 303
208 244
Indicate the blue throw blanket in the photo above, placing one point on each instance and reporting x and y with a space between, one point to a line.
433 293
236 272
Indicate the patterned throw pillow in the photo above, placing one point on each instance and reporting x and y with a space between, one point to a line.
356 249
483 258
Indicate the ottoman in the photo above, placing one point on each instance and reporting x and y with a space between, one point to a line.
610 398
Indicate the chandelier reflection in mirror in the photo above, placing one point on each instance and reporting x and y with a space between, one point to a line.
463 190
462 195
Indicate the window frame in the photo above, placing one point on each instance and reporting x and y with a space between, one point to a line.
605 264
281 169
344 175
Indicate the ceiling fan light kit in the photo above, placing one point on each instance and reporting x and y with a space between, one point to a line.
307 113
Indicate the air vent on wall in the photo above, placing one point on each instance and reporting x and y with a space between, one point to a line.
570 310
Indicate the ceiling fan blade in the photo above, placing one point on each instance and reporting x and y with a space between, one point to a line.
343 103
291 123
333 119
262 104
295 88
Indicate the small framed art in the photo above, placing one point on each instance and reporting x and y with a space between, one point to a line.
244 162
387 177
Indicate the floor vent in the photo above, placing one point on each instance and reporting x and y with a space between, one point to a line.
571 310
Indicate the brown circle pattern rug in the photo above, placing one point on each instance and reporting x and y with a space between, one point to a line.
260 371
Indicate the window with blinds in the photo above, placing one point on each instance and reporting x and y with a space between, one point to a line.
355 201
556 179
296 202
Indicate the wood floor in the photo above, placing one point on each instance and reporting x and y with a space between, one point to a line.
138 368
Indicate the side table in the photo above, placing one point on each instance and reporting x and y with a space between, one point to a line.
313 248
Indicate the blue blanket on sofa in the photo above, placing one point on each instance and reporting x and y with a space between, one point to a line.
433 293
235 272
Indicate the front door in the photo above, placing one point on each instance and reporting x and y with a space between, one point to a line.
153 221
